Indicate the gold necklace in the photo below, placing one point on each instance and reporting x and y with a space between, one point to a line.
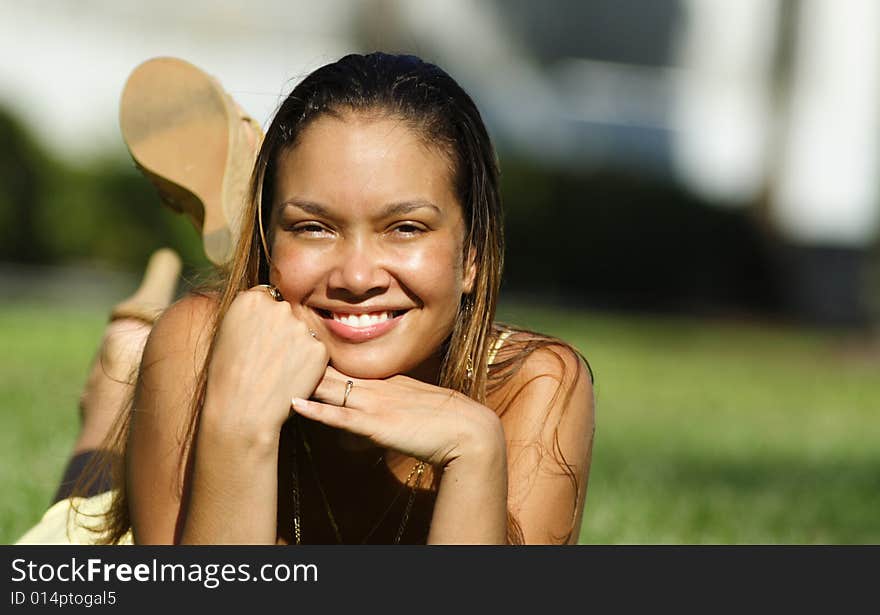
417 471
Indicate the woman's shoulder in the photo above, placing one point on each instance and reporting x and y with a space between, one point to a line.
185 325
193 311
528 354
529 366
173 358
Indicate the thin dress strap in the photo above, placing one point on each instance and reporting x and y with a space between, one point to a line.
496 346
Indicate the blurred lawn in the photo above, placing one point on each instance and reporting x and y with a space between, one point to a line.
707 432
726 433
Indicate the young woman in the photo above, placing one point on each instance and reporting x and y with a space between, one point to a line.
348 383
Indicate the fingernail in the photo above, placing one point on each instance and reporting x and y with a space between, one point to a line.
299 404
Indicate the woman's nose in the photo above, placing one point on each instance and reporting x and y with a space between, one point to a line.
359 269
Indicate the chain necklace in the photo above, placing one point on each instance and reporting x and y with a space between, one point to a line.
417 471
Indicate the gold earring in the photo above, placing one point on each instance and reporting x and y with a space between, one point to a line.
469 363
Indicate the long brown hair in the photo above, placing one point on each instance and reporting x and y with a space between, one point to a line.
444 115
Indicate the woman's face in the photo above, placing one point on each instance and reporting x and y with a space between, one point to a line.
367 242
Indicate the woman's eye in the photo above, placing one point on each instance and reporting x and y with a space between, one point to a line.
407 230
309 229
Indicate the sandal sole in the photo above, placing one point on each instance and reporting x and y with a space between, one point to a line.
184 133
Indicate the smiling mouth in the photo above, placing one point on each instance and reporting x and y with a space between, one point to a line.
362 320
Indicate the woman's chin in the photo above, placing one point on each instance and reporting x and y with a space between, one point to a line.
364 372
374 368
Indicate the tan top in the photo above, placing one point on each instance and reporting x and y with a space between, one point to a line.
496 346
71 521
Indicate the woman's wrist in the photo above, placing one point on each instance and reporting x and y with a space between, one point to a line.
234 476
230 430
471 506
483 445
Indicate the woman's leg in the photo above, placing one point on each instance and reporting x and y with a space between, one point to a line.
197 146
110 385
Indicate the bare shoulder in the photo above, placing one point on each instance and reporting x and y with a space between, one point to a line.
158 438
184 327
544 397
175 352
168 377
552 359
538 374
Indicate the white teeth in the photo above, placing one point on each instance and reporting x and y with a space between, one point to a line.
361 320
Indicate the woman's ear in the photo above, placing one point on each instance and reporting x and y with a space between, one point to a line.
470 271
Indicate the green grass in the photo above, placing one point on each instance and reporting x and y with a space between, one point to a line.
713 432
46 355
707 432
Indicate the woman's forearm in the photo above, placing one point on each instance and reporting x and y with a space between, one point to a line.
234 489
471 506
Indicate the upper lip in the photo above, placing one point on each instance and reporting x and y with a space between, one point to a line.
359 309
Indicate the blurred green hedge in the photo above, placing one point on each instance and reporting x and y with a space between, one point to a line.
601 237
610 237
103 210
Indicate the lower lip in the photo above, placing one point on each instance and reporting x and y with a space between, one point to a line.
361 334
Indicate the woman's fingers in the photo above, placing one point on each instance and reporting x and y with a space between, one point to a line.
333 386
414 418
349 419
271 290
263 356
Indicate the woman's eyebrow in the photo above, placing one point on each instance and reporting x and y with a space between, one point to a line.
392 209
310 207
405 207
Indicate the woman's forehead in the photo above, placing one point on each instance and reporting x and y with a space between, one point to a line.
364 159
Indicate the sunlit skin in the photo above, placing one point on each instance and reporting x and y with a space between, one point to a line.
365 220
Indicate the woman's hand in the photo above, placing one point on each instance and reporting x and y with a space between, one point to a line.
263 357
417 419
436 425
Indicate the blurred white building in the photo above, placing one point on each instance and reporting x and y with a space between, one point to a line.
780 104
63 63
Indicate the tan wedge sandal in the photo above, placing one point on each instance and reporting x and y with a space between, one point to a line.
194 143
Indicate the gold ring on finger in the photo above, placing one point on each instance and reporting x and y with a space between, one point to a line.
272 290
348 385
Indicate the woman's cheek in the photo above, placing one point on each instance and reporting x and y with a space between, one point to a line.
435 265
291 268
